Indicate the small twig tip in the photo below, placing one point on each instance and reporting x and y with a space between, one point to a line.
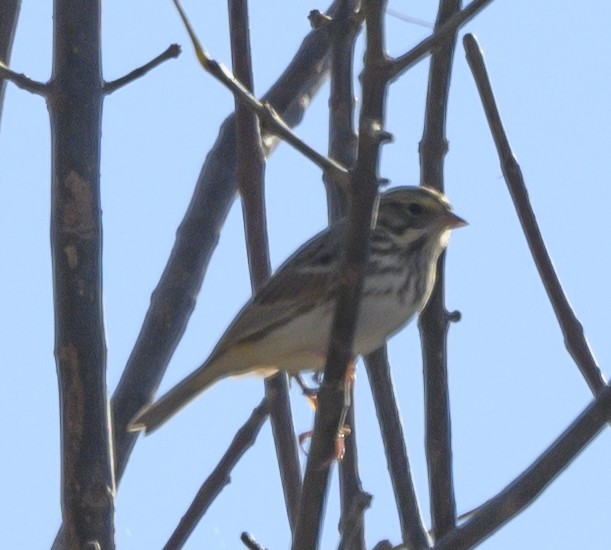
318 19
250 542
454 316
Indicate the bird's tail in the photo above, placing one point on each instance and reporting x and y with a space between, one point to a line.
152 416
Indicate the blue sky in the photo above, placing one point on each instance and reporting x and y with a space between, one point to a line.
513 386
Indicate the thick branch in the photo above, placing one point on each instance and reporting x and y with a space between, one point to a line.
572 330
519 494
75 106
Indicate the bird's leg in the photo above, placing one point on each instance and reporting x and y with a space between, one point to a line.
311 394
344 429
302 437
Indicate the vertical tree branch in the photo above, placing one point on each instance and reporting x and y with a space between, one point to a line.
434 321
342 137
342 147
250 158
173 300
75 107
250 174
332 394
413 530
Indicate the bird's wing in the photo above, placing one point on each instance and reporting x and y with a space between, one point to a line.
302 281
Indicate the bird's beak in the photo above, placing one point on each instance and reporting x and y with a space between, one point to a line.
452 221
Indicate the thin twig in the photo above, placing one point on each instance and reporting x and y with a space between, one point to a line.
434 321
267 114
572 330
22 81
413 530
172 52
416 54
409 19
250 173
8 25
532 482
250 542
220 476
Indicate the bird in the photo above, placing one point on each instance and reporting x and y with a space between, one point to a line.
286 325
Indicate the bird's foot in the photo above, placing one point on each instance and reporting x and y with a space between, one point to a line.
340 449
311 394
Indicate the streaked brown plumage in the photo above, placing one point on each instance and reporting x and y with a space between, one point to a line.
286 325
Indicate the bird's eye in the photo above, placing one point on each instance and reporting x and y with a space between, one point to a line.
415 209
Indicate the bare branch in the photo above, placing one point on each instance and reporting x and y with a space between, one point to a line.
352 521
220 476
413 530
342 147
8 25
268 116
250 542
75 107
333 392
434 321
574 338
172 52
250 174
342 136
22 81
532 482
416 54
